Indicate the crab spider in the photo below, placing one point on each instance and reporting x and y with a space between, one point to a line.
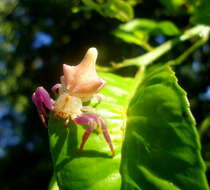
79 84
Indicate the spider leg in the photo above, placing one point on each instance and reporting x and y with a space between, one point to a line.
43 115
55 88
95 117
91 119
42 99
106 136
87 133
42 118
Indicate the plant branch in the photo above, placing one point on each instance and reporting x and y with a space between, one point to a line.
190 50
148 58
146 46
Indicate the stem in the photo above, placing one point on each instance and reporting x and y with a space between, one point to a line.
148 58
186 54
146 46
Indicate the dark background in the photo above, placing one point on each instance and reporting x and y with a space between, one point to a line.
36 37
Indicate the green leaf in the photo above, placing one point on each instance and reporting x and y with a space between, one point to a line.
201 13
53 184
139 30
161 150
94 168
173 5
118 9
168 28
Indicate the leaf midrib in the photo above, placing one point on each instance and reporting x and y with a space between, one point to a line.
137 81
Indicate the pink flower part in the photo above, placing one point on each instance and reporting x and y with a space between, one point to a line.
90 119
82 80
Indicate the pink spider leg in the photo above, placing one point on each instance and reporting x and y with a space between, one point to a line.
41 99
55 88
106 136
101 121
90 119
40 109
85 120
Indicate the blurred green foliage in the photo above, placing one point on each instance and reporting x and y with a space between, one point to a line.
119 9
138 31
202 12
37 36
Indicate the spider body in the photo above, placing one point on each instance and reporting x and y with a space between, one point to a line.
79 84
67 106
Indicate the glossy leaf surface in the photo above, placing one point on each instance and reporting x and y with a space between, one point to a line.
160 150
94 168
